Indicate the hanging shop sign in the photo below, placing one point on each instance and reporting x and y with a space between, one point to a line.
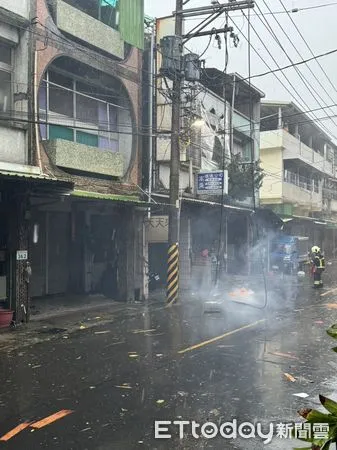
211 183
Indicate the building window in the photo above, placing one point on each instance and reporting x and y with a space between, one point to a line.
6 70
79 112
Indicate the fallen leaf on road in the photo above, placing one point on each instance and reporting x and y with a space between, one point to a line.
284 355
331 305
160 402
289 377
82 327
301 395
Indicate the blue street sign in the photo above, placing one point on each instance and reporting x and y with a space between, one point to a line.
211 183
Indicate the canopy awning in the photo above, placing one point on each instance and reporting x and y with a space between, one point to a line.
38 183
89 195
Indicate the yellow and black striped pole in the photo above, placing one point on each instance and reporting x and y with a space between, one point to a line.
172 274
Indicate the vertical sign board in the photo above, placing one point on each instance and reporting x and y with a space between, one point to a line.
211 183
157 229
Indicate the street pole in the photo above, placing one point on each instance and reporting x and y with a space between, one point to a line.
173 234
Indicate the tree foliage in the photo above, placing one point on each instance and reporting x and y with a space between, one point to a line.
240 177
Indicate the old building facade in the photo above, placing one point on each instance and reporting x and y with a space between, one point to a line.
73 75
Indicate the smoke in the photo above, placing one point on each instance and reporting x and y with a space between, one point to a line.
238 298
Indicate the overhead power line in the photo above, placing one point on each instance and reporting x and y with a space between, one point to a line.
288 11
139 132
297 95
299 63
308 46
311 89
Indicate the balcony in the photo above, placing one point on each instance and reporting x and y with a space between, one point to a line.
84 158
17 12
301 191
86 28
295 195
293 148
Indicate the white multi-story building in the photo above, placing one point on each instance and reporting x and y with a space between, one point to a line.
299 160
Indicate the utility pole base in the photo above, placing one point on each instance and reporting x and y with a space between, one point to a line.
172 275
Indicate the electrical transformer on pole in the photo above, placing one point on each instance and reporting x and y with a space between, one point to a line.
175 67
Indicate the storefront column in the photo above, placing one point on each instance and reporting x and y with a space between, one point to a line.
248 246
87 256
126 266
18 241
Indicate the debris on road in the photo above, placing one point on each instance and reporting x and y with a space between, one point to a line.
331 305
289 377
160 402
144 331
102 332
182 393
124 386
212 307
243 292
133 355
301 395
284 355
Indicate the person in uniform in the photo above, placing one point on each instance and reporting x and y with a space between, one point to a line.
318 265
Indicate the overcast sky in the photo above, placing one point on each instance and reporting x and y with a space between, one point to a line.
319 28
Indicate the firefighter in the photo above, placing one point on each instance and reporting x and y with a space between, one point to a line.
318 264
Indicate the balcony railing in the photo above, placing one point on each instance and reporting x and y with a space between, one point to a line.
330 193
300 181
293 148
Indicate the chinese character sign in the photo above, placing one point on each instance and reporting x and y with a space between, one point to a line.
211 183
157 229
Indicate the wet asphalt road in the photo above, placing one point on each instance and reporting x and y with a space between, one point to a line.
121 377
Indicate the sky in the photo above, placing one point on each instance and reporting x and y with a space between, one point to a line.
307 85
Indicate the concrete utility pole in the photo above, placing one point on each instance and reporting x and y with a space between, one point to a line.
173 234
214 11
